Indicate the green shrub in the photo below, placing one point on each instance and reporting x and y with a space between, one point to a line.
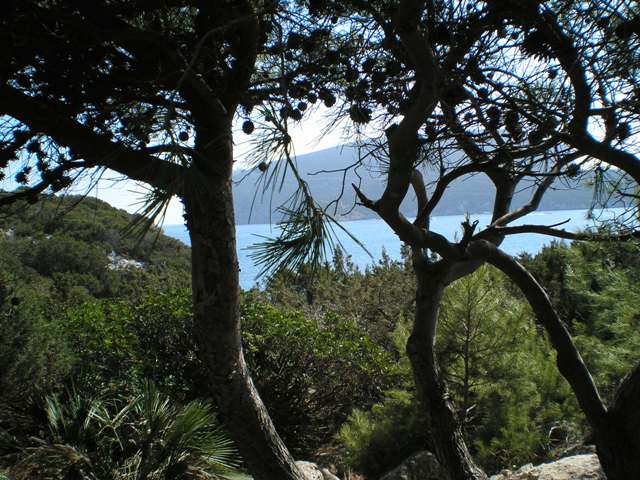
312 375
118 342
508 392
374 298
309 375
379 439
33 352
166 350
60 246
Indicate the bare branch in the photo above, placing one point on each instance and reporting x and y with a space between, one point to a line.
550 230
534 203
442 185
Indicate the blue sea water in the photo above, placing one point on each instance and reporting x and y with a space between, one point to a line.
378 237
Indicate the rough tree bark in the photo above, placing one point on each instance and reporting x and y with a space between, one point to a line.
210 219
616 430
619 441
448 441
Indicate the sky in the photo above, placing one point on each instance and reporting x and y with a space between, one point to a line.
129 195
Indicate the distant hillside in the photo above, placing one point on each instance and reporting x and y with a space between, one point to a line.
473 194
75 248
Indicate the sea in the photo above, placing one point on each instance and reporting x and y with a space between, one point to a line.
379 238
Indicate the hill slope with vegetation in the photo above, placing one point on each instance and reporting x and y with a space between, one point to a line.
76 249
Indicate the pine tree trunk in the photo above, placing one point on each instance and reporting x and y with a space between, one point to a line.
215 281
448 441
618 441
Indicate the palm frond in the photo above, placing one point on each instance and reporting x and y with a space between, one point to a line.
72 422
195 440
148 438
51 462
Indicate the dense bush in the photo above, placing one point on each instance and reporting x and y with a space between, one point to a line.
94 223
311 374
379 439
105 347
596 286
514 405
33 352
374 298
501 374
116 342
53 266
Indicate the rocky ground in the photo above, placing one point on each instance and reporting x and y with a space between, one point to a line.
578 467
424 466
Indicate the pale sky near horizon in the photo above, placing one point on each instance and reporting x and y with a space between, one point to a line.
129 196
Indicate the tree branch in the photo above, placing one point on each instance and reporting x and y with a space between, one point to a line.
536 198
443 183
408 232
97 150
550 230
417 182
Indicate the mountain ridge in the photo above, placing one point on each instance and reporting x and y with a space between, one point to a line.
323 171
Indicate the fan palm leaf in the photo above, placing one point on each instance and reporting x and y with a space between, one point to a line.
145 438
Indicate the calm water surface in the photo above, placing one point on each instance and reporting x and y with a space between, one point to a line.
377 236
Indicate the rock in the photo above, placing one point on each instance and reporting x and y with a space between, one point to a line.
419 466
578 467
574 450
118 262
312 471
328 475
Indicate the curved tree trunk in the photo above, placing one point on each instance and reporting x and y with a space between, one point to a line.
617 431
210 219
619 441
448 441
